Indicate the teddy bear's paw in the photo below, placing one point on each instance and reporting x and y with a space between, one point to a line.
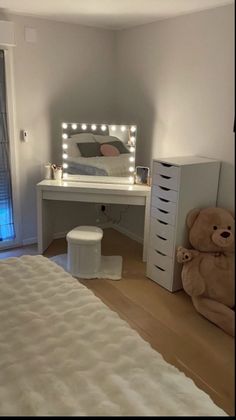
183 255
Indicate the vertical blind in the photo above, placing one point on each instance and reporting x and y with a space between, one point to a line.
7 231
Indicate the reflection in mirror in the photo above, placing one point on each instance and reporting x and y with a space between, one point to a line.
99 152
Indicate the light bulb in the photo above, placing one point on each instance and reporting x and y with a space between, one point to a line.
133 129
65 165
65 136
64 125
84 126
103 127
131 159
123 128
74 126
113 128
131 169
94 127
65 146
65 155
132 149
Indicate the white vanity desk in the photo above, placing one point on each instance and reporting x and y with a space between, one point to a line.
47 190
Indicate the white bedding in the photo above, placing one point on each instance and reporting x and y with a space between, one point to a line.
64 352
113 166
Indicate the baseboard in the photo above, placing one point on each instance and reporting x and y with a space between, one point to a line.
59 235
29 241
126 232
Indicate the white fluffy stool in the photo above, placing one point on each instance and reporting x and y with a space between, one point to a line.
84 251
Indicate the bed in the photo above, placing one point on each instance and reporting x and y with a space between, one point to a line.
64 352
84 156
100 165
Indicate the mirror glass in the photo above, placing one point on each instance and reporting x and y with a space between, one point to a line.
99 152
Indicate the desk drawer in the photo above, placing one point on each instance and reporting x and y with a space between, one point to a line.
166 193
163 215
163 278
162 229
166 181
163 204
166 169
161 273
164 262
162 244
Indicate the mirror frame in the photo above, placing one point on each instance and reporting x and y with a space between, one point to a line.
68 126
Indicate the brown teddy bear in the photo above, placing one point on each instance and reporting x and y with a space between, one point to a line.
208 270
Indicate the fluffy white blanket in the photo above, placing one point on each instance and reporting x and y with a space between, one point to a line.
63 352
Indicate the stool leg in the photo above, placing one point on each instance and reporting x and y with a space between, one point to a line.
84 260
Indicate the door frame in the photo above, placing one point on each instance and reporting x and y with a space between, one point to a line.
12 133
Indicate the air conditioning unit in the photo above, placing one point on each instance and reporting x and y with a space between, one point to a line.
7 36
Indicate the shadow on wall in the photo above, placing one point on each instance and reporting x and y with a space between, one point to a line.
77 104
143 114
84 100
28 198
226 194
4 15
92 99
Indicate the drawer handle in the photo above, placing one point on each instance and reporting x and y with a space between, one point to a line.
165 176
164 188
163 211
161 253
161 237
166 164
161 221
163 199
159 268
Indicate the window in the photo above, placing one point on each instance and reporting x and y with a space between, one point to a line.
7 230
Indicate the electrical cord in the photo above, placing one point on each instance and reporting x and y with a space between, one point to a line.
117 222
107 214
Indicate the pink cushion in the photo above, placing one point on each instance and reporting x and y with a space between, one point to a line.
109 150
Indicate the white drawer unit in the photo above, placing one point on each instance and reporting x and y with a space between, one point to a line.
162 244
179 184
163 192
169 182
163 204
164 229
163 215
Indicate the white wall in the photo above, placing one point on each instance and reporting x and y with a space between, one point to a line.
66 75
176 79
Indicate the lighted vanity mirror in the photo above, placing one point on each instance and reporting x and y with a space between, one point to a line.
99 152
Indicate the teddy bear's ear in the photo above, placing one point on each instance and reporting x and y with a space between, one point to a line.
191 217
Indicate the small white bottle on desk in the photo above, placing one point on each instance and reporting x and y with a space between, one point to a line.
179 184
48 171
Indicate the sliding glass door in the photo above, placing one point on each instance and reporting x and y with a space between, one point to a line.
7 229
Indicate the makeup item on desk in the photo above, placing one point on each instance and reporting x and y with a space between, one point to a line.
57 171
48 171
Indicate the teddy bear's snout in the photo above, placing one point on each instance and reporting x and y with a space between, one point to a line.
225 234
223 238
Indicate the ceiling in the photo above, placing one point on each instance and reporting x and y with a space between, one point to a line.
110 14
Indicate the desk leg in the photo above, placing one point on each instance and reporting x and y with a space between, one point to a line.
146 228
44 223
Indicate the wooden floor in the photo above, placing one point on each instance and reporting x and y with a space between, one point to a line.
167 321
